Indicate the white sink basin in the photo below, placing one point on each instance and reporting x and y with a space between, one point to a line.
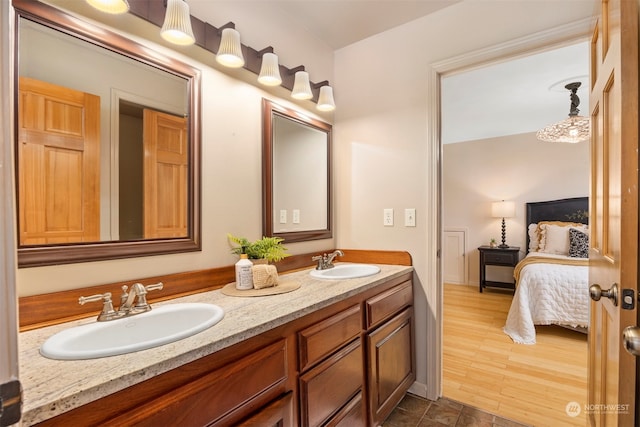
161 325
346 271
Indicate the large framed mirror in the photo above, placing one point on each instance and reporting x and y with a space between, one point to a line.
107 143
296 175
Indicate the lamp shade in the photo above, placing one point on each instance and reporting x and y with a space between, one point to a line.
270 70
325 99
110 6
503 209
301 87
230 51
176 28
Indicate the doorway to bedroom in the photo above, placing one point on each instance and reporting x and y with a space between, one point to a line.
496 156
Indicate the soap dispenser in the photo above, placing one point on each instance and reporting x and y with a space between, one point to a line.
244 276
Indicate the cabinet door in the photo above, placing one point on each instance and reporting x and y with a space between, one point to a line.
391 364
327 388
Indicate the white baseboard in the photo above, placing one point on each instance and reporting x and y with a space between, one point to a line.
418 389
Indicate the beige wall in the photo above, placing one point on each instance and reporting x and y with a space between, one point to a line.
518 168
381 132
231 172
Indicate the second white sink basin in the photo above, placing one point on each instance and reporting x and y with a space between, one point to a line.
346 271
161 325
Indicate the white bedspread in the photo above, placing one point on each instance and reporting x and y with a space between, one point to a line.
548 294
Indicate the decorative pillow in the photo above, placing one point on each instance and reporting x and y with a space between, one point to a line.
556 239
559 231
534 237
578 243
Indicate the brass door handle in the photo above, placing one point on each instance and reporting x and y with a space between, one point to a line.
596 292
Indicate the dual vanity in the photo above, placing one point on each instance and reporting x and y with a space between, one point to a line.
333 352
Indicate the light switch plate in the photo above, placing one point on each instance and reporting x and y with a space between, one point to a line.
410 217
296 216
387 220
283 216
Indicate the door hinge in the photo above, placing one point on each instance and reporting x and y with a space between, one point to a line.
10 403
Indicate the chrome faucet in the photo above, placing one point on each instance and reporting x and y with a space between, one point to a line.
137 293
326 261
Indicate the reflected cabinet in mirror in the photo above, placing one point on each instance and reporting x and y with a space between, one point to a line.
296 175
107 143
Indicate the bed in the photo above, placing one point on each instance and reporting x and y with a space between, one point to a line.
552 280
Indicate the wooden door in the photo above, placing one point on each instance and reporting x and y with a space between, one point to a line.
165 175
58 164
614 211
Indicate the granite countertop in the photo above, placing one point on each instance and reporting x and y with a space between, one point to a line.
52 387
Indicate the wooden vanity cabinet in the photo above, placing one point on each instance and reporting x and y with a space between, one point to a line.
390 349
347 364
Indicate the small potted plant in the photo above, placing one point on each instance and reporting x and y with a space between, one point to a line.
267 248
493 243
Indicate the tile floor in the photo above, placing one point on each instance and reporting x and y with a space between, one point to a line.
415 411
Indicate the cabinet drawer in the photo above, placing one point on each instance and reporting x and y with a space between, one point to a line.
386 304
328 387
215 397
321 339
499 258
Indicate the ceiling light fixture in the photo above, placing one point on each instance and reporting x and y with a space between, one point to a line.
301 87
270 69
573 129
114 7
230 50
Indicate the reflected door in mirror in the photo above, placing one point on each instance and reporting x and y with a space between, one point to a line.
58 163
165 175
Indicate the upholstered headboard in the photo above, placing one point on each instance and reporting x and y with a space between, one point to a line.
575 209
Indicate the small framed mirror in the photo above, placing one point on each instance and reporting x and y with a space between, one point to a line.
107 143
296 181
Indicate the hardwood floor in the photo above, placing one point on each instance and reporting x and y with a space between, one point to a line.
482 367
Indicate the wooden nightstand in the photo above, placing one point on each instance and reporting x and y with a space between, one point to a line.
506 257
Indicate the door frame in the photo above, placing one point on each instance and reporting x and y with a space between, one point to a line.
550 39
9 362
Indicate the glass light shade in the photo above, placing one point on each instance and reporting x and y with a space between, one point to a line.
301 86
114 7
503 209
572 130
176 28
325 99
270 70
230 50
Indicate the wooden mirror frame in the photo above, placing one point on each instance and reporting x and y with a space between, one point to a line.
269 109
32 256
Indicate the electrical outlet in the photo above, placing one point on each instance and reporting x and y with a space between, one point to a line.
410 217
387 220
283 216
296 216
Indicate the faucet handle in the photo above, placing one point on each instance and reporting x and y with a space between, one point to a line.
107 305
156 286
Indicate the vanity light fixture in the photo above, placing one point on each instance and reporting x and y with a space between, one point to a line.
325 97
230 50
115 7
573 129
177 24
270 69
301 87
